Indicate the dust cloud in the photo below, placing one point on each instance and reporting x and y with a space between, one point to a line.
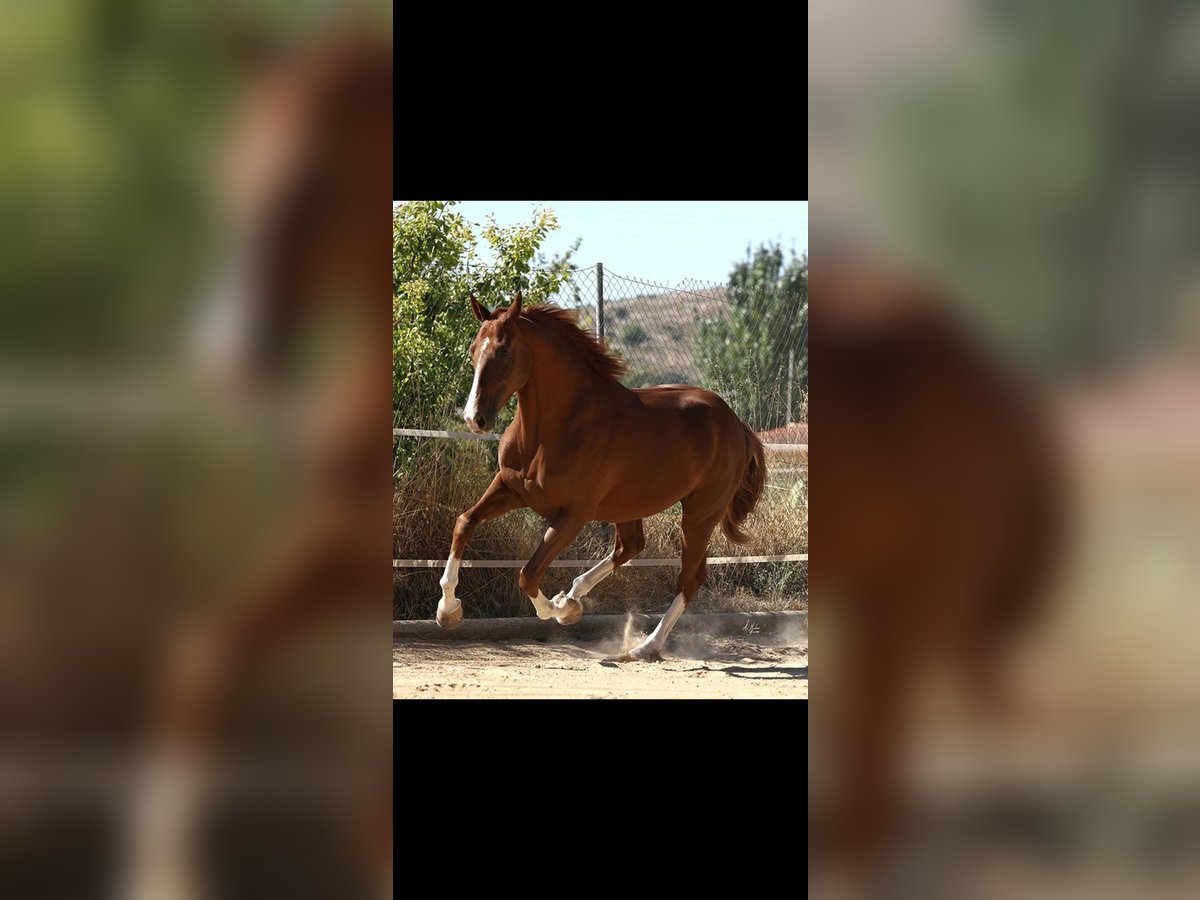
1006 373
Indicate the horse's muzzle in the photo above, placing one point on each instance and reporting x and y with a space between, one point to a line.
481 424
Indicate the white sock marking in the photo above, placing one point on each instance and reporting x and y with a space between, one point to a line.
160 856
472 407
545 609
658 639
449 582
583 585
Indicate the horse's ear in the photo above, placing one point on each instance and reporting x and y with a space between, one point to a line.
514 308
480 313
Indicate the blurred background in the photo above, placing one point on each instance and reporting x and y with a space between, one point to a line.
139 491
1034 160
1036 164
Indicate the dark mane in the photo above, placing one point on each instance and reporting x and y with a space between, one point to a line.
593 353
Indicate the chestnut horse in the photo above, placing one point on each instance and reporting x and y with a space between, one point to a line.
938 546
585 447
311 162
308 184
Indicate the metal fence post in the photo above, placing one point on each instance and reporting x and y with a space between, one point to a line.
791 369
600 300
606 529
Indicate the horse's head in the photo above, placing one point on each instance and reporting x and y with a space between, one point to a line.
304 173
502 361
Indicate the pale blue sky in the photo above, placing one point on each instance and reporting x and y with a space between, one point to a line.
660 241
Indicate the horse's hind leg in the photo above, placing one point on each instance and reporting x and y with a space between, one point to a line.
698 525
629 543
561 532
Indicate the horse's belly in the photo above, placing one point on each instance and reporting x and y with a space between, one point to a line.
625 505
628 513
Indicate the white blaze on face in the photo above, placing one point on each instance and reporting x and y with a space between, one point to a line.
472 407
220 337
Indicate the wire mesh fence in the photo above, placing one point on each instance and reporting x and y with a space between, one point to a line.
748 345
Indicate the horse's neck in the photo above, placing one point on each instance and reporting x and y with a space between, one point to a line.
559 387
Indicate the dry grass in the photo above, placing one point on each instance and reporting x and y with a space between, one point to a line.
444 478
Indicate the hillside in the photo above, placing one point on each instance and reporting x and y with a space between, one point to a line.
655 333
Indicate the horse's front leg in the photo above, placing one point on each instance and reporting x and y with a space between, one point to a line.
496 501
561 532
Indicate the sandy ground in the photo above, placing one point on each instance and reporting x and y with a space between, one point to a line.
694 666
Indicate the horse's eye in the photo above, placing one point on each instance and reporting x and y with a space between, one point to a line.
503 351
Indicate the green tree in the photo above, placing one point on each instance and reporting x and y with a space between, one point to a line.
744 352
1054 185
435 267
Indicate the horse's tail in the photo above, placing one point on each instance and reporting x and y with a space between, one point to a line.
748 491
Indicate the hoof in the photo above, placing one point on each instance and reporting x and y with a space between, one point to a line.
568 610
641 654
451 619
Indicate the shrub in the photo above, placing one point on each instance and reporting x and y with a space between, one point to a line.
634 335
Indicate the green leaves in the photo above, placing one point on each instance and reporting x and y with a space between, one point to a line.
436 266
744 352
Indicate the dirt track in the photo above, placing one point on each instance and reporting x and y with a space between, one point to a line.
694 666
